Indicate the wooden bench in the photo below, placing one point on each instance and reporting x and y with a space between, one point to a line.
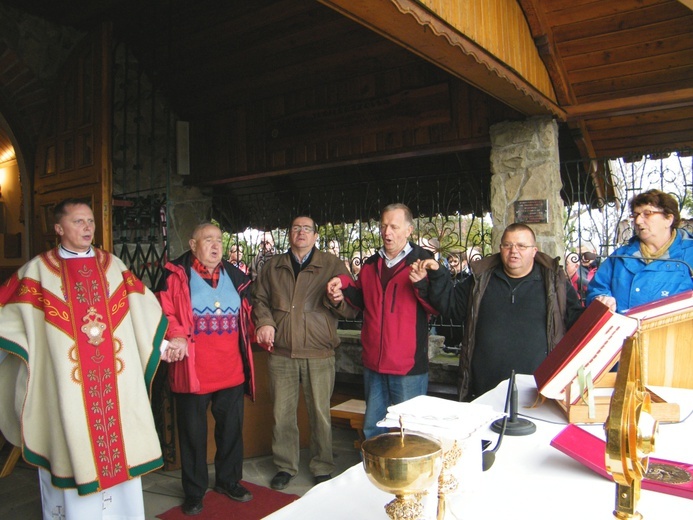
353 411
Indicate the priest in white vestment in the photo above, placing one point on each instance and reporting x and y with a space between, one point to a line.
80 341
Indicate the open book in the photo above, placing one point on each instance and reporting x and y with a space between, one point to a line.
594 344
657 308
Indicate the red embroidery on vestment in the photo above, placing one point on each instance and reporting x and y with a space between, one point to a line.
97 364
55 310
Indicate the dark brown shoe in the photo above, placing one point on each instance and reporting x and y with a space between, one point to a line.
235 492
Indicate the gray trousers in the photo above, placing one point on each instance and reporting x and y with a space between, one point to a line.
316 376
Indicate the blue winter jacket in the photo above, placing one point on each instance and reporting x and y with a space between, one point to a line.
633 282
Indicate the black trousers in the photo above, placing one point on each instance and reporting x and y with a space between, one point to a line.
227 410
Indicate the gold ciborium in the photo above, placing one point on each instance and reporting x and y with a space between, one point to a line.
406 465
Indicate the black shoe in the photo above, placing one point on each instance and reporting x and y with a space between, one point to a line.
280 480
319 479
235 492
192 506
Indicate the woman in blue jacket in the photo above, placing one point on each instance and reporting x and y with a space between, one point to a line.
656 263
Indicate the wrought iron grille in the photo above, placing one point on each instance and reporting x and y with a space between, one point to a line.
142 148
598 221
347 215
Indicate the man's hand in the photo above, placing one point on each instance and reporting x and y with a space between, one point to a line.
418 269
176 350
609 301
334 291
265 336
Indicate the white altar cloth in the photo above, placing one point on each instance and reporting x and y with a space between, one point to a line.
530 479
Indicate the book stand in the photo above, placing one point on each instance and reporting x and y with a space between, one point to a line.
665 345
579 413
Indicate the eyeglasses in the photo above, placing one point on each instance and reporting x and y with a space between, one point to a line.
307 229
520 247
647 213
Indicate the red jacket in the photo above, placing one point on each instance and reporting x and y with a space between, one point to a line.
174 296
395 318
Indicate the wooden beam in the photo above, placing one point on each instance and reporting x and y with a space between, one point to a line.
632 105
546 46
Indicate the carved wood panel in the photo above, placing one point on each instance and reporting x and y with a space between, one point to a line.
73 157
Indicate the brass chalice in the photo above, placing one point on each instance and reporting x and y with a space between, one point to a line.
406 465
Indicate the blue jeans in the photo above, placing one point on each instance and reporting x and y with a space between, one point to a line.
383 390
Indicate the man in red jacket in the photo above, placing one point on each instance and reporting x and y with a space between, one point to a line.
395 318
205 299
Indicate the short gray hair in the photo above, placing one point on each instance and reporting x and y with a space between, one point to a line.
398 205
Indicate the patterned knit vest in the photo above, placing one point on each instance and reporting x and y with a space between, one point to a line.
217 352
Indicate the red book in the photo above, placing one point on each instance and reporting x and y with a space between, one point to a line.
591 451
594 342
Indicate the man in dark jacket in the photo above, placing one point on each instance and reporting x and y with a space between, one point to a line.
205 299
395 319
516 306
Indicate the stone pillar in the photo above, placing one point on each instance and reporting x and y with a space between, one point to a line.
525 166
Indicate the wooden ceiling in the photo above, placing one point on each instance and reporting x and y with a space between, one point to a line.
622 70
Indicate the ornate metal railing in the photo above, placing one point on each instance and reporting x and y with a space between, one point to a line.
346 215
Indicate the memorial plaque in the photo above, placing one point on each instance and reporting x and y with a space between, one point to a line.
532 211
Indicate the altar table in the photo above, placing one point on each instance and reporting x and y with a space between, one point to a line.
530 479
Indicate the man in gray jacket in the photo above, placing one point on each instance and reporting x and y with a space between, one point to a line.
294 318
